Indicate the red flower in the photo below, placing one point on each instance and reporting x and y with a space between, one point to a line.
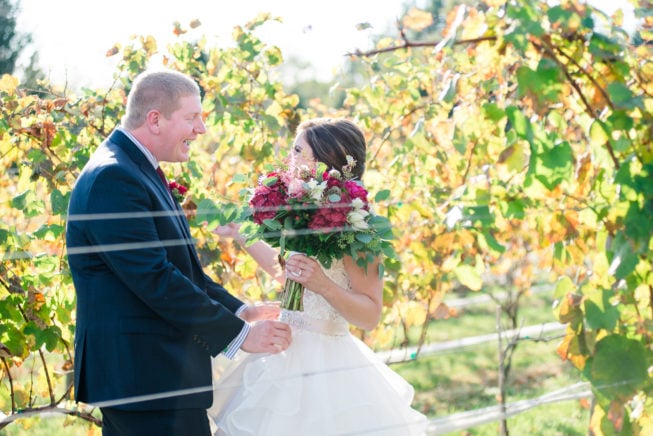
177 190
356 190
181 188
267 200
327 218
332 181
316 213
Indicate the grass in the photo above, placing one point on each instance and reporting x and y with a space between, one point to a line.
467 378
452 382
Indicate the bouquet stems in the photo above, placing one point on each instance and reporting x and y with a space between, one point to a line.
292 296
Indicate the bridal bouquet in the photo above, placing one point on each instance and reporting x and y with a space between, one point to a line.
322 214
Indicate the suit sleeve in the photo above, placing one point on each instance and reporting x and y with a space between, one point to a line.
137 247
217 292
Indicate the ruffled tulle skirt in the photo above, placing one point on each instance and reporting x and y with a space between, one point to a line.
321 385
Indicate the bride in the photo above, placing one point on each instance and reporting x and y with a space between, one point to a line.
327 382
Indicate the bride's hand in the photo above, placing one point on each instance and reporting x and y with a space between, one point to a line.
308 272
260 311
231 230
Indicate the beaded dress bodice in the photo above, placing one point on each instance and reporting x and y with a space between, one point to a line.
315 305
318 315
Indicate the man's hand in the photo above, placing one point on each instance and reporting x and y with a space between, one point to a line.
260 311
267 337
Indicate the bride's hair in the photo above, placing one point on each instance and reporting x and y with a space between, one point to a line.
332 140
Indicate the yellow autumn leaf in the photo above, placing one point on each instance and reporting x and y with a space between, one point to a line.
598 135
618 18
563 347
494 3
450 263
149 44
383 337
8 83
646 422
469 276
417 19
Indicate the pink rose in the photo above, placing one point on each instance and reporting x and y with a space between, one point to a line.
296 188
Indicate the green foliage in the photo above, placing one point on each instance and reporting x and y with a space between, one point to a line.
516 150
44 143
529 146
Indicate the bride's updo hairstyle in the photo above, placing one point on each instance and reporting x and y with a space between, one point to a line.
332 140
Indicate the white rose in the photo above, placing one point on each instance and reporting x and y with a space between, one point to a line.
316 189
357 203
357 219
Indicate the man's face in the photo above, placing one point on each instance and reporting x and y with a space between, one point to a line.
180 129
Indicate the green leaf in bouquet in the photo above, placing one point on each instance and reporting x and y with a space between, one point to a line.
272 224
364 260
381 225
365 238
321 168
208 212
270 181
389 251
282 245
288 225
229 213
250 231
382 195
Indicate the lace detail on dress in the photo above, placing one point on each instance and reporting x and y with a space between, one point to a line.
315 305
318 315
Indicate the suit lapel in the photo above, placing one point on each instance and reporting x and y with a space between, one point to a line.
148 171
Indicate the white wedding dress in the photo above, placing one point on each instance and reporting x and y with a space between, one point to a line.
326 383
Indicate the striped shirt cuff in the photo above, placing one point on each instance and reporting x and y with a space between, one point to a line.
234 346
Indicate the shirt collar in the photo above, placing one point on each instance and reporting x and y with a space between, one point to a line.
148 154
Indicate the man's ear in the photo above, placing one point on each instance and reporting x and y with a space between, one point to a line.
152 120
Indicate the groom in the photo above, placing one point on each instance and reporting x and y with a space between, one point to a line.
148 317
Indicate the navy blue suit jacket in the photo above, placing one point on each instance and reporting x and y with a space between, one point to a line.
148 317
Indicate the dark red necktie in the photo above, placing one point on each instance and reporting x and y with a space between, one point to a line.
163 178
